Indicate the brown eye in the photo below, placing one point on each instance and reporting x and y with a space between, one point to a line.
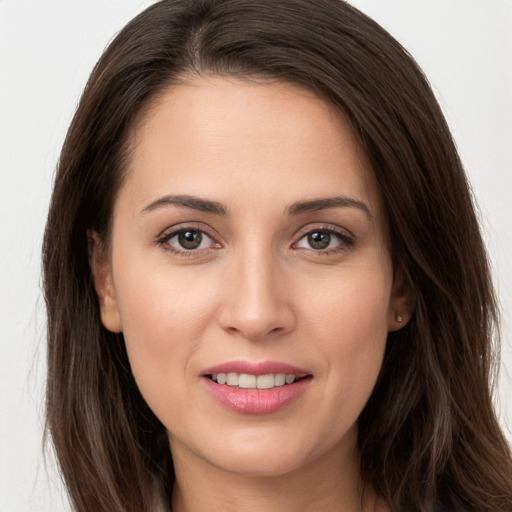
325 240
187 240
190 239
319 240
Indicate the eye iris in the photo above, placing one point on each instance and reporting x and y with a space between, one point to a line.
190 239
319 240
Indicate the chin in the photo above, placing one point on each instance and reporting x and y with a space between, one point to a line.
269 452
261 464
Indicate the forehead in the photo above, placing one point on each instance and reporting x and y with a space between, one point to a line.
215 135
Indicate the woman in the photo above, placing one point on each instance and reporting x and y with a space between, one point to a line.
265 281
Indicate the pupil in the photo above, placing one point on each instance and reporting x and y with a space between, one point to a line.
190 239
319 240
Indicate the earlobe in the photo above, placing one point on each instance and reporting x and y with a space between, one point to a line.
402 303
102 278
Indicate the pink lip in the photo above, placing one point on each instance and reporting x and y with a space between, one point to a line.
261 368
256 401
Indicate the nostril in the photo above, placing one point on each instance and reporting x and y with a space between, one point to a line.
255 311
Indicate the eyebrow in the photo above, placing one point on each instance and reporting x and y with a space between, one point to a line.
191 202
326 203
298 208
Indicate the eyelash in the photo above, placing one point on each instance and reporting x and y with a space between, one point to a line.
345 241
165 238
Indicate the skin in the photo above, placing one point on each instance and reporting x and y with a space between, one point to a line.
255 289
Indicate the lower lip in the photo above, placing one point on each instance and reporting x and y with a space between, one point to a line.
256 401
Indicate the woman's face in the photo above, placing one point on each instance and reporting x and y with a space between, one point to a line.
249 240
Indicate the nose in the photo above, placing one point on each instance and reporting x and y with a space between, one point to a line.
256 303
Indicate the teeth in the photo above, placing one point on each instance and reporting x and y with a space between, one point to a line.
232 379
289 379
265 381
247 381
279 379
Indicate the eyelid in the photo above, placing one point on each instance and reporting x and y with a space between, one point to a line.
347 239
323 226
172 231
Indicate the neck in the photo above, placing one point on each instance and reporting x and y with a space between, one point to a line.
329 483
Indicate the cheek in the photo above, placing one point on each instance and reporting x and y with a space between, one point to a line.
350 323
352 304
163 315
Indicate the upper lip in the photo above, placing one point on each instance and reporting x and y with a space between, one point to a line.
256 368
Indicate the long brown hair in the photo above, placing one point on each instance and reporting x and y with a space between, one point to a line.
429 433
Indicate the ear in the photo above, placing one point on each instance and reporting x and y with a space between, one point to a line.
102 277
402 303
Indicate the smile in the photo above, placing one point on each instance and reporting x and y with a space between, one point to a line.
255 388
248 381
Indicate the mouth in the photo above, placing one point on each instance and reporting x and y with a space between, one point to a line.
255 388
250 381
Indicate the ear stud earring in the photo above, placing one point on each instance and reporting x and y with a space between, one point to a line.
399 318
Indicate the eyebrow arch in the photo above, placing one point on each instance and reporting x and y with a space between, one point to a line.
328 202
191 202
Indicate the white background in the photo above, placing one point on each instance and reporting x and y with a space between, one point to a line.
47 49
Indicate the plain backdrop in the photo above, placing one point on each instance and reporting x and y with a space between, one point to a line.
47 49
